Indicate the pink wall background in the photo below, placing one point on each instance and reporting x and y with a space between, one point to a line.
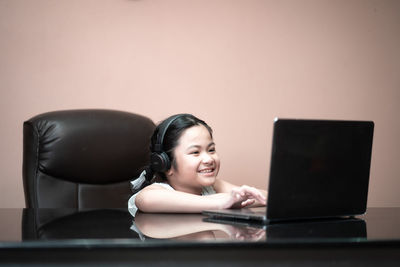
236 64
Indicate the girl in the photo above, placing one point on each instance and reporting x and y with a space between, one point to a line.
182 176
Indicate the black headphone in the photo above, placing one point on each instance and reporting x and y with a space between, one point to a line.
159 160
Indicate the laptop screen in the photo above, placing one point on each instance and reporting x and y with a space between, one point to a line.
319 168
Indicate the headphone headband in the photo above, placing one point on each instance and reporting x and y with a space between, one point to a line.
158 147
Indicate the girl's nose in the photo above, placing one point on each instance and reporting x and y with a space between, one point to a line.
207 158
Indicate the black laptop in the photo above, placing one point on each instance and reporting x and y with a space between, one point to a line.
319 169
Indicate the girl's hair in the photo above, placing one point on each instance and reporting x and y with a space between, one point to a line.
170 141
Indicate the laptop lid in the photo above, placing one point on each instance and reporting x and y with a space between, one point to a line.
319 168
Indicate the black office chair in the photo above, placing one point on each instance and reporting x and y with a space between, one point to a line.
83 158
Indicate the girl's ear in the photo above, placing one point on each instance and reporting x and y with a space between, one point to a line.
170 172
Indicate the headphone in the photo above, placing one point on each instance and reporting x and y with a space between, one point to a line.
159 160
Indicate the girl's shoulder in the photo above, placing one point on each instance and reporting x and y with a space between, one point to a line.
159 186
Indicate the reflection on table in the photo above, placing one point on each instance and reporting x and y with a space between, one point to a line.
49 224
191 227
113 236
58 224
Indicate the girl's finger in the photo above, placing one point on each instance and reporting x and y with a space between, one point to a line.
247 202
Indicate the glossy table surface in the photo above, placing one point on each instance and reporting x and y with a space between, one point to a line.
116 227
113 237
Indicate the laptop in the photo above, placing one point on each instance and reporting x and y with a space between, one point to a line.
319 169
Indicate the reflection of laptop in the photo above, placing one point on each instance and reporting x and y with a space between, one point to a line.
318 228
319 169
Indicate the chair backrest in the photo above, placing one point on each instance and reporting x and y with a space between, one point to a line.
83 158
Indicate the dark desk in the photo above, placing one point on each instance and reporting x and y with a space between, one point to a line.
112 237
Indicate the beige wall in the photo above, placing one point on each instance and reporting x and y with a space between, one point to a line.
235 63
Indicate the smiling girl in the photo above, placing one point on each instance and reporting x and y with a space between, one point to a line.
182 176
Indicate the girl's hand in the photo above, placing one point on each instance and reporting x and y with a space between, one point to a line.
243 196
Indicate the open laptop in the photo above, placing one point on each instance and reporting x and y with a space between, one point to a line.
319 169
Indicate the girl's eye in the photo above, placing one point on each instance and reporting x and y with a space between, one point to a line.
194 152
212 150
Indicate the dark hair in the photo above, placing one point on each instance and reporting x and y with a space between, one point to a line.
170 141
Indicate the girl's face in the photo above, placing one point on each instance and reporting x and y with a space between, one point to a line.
196 159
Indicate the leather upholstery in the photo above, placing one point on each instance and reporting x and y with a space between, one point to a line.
83 158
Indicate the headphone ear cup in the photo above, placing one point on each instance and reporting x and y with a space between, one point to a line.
160 162
166 162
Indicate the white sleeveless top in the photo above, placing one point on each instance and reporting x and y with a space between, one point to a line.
208 190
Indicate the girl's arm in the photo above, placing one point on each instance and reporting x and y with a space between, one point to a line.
222 186
155 198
